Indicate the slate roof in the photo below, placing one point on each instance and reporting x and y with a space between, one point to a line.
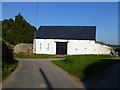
67 32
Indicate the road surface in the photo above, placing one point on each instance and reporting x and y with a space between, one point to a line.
40 73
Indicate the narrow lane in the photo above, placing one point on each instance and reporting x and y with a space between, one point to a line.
40 74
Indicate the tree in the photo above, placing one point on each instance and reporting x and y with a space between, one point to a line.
18 30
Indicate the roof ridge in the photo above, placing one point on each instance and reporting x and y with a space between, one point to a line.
73 25
68 26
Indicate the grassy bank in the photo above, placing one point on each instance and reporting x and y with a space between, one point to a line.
85 66
8 69
0 75
8 62
38 56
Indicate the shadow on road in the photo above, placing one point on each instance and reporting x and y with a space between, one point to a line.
46 79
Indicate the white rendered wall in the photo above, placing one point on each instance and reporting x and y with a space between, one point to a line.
48 46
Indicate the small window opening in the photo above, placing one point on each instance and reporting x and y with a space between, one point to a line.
40 46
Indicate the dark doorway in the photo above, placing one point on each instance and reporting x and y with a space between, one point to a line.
61 48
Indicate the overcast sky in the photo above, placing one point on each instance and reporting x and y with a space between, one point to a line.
103 15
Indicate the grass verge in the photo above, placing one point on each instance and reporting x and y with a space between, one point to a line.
85 66
8 69
38 56
0 75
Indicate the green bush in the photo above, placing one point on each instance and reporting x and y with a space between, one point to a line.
8 62
8 69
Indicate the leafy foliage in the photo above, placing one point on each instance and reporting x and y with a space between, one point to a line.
7 57
8 69
8 62
17 31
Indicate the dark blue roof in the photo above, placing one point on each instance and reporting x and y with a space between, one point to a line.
67 32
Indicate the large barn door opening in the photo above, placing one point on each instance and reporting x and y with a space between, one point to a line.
61 48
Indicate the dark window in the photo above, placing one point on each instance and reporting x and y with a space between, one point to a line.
48 46
40 46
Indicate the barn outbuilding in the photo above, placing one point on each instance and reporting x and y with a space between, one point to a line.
68 40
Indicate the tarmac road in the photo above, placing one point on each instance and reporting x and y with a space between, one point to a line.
40 73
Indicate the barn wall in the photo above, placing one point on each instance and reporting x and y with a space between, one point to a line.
87 47
48 46
34 46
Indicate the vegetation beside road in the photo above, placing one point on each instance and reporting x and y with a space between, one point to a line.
14 32
9 64
85 66
38 56
8 69
18 30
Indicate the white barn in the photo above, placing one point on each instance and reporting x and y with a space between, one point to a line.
68 40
